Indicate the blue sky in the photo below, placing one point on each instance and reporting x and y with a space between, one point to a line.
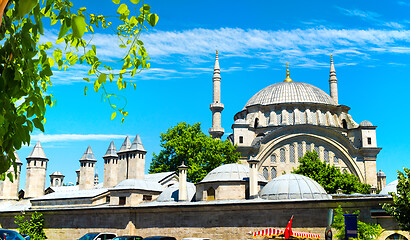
369 41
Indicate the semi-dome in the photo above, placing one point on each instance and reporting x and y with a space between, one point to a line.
290 92
293 186
230 172
139 184
366 123
171 194
391 187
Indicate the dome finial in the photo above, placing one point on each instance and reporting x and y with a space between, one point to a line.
288 79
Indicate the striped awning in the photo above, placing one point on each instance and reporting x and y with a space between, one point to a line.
273 232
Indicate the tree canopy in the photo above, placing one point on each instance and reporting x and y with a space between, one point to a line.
188 144
328 176
400 208
27 64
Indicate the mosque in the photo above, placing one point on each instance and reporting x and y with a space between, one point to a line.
276 127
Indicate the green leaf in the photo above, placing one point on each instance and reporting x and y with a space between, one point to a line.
65 26
116 1
135 1
85 90
113 115
86 79
153 19
102 78
38 124
122 8
97 86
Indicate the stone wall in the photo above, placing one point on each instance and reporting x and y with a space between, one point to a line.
215 220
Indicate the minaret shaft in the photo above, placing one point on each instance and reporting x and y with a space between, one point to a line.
216 106
333 81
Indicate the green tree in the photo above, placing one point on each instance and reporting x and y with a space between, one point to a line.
188 144
34 227
400 208
329 177
365 231
26 68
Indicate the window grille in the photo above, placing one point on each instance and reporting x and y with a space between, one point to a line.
282 155
273 173
273 158
265 173
292 153
326 156
300 150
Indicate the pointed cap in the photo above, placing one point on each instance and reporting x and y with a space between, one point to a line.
216 61
332 75
288 79
88 155
137 144
125 145
18 161
111 151
37 152
217 70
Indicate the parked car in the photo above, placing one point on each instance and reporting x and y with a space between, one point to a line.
10 235
98 236
128 238
160 238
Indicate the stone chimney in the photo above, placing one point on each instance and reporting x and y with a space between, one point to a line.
253 178
183 194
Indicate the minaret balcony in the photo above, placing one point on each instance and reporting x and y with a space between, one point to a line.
216 107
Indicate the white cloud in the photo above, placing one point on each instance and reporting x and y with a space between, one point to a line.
43 138
370 17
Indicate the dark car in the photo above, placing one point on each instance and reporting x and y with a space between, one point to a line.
98 236
128 238
10 235
160 238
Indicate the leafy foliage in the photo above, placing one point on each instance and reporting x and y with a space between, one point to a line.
329 177
26 68
201 153
33 227
365 231
400 208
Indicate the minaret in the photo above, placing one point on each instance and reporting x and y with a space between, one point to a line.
9 190
110 166
136 159
333 81
123 160
87 170
96 181
56 179
216 107
36 172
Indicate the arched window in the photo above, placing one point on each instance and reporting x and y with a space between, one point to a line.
256 123
273 173
326 156
292 153
344 123
396 236
282 155
300 150
210 194
265 173
273 158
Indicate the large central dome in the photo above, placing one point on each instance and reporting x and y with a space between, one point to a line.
290 92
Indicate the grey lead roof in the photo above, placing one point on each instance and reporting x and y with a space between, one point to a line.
171 193
230 172
293 186
290 92
125 145
137 144
140 184
88 155
111 151
37 152
391 187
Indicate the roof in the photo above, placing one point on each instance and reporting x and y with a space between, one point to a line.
12 206
230 172
125 145
17 157
111 151
137 144
293 186
158 177
366 123
290 92
139 184
89 193
391 187
37 152
64 188
171 193
56 173
88 155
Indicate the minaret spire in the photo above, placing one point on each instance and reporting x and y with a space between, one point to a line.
216 106
333 81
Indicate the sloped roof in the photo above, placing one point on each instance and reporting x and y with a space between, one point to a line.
88 155
139 184
137 144
89 193
125 145
111 151
171 194
37 152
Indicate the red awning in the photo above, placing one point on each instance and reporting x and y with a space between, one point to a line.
272 232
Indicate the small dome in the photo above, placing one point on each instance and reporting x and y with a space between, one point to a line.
391 187
366 123
381 174
290 92
172 192
56 173
139 184
230 172
293 186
